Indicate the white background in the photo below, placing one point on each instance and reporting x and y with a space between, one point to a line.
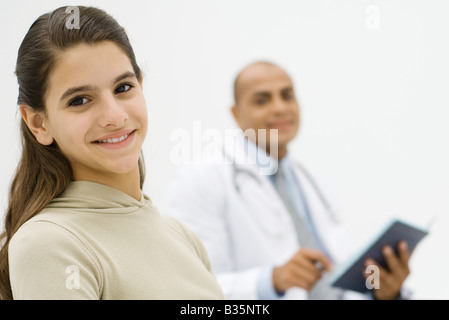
374 102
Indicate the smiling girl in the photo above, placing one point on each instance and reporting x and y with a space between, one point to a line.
78 225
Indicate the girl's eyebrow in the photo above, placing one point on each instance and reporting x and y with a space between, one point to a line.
127 74
71 91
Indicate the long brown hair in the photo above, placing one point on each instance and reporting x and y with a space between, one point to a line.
43 172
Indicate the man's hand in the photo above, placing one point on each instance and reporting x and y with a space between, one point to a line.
391 281
303 270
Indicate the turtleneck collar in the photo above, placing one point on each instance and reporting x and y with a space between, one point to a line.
95 197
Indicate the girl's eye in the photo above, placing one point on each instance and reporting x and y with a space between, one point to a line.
123 88
261 101
78 101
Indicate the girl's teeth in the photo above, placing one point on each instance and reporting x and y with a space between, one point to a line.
115 140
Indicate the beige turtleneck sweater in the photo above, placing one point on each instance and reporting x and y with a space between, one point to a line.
95 242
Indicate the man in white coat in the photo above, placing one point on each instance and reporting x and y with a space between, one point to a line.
266 224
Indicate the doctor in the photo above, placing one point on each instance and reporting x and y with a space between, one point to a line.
266 224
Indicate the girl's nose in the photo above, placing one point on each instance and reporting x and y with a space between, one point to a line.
112 112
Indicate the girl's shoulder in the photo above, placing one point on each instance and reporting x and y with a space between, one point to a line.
48 234
43 255
42 232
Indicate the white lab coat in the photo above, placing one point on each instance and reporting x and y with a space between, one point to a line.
243 223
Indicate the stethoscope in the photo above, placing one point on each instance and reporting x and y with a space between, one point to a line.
239 170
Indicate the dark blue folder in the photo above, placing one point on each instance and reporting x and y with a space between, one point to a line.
350 276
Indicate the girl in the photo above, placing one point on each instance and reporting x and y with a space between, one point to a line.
78 225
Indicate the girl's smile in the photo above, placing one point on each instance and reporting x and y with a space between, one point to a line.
117 140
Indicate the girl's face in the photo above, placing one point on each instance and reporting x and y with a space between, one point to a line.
95 111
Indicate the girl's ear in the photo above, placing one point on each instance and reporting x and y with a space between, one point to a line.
36 123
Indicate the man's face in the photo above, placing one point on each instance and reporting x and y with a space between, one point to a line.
265 99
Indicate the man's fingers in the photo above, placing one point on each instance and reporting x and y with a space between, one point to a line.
303 270
394 264
305 278
404 254
307 266
318 259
